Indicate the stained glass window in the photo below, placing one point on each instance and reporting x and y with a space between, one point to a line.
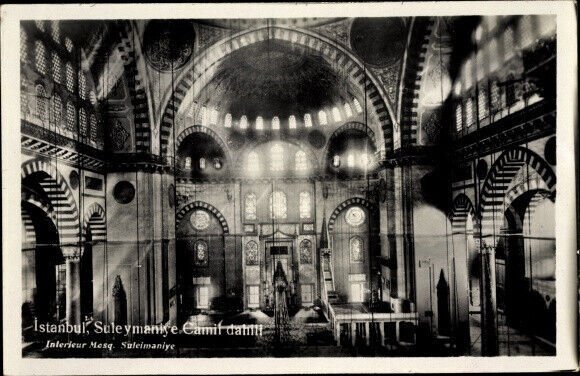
201 253
251 206
458 118
356 249
83 122
70 79
82 85
228 121
357 105
259 123
70 116
355 216
300 161
187 164
306 252
307 121
336 161
276 158
347 110
93 128
469 112
40 57
68 44
56 68
495 97
199 220
202 163
23 45
292 122
482 103
336 114
278 208
322 118
56 31
41 103
253 162
275 123
213 119
350 160
244 122
252 257
57 109
204 115
305 205
508 43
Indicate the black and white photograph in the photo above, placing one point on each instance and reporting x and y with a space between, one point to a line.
376 186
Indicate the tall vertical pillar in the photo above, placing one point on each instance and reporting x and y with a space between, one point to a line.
72 256
489 340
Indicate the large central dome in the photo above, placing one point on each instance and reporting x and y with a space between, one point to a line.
274 78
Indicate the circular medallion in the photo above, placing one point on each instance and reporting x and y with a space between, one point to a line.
199 220
168 44
74 179
481 169
378 41
355 216
124 192
317 139
550 151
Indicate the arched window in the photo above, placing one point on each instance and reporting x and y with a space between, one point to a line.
278 205
468 74
228 121
68 44
305 205
57 110
252 255
482 103
458 118
23 45
292 122
322 117
202 163
213 119
244 122
56 68
55 31
307 121
276 158
275 123
83 122
356 249
40 57
306 252
495 97
508 43
336 161
250 206
350 160
253 162
82 85
347 110
187 164
357 105
217 163
493 55
204 115
93 128
70 117
41 103
201 251
336 115
70 77
259 123
469 112
300 161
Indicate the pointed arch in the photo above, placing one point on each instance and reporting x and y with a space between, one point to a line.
94 219
202 205
202 129
347 203
198 70
462 209
60 197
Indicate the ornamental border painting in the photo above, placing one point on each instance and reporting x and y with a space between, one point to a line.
324 183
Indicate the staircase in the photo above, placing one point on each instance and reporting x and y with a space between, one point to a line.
331 294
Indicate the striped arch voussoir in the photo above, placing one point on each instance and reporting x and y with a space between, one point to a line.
208 207
94 219
462 209
201 129
317 43
355 125
345 204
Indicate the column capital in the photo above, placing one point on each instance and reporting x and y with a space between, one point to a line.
72 253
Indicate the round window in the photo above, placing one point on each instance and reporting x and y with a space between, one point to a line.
355 216
124 192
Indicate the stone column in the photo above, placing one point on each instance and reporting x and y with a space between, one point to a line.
72 256
489 340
